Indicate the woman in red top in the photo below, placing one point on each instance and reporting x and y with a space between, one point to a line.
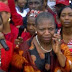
9 30
16 18
5 56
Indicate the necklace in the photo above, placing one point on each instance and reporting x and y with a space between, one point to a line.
41 46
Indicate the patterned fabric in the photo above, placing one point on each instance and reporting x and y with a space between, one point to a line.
23 60
69 44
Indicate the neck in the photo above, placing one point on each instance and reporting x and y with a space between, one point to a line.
67 31
6 28
21 9
46 46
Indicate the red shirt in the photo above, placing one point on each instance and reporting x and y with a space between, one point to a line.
6 56
26 36
17 19
12 35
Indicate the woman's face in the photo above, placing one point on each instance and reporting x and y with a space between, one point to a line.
66 17
45 30
5 17
1 25
31 25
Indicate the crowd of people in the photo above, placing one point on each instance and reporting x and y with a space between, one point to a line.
35 36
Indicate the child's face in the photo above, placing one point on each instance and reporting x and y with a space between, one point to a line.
1 25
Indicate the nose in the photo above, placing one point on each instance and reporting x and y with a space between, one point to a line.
66 17
31 27
47 32
33 5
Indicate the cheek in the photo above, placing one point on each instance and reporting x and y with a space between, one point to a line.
40 34
1 28
52 33
28 27
30 6
62 19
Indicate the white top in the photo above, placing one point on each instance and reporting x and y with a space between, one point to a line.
24 13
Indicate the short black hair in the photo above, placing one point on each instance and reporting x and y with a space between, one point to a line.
41 1
44 15
63 9
1 17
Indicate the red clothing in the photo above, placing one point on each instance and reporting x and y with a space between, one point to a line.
17 19
26 36
12 35
58 24
6 56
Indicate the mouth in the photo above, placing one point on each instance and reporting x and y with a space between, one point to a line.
47 38
22 4
66 23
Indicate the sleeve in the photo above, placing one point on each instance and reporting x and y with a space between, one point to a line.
10 51
68 56
16 18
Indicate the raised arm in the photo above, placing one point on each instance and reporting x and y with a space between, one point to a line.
16 18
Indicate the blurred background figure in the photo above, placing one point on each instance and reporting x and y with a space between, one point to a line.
21 7
51 4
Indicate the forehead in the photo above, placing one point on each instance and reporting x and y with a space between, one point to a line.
31 19
46 23
34 0
67 10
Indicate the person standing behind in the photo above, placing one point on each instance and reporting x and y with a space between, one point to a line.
21 7
9 30
65 16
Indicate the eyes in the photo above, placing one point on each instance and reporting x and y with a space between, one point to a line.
30 24
31 3
64 15
49 29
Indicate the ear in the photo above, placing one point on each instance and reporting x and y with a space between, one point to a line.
9 15
36 30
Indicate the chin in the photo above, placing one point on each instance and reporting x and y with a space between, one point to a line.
67 26
47 41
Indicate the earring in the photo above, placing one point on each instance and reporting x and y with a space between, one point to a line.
9 20
36 32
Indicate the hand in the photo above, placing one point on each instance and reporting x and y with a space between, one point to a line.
56 43
1 35
25 30
19 40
